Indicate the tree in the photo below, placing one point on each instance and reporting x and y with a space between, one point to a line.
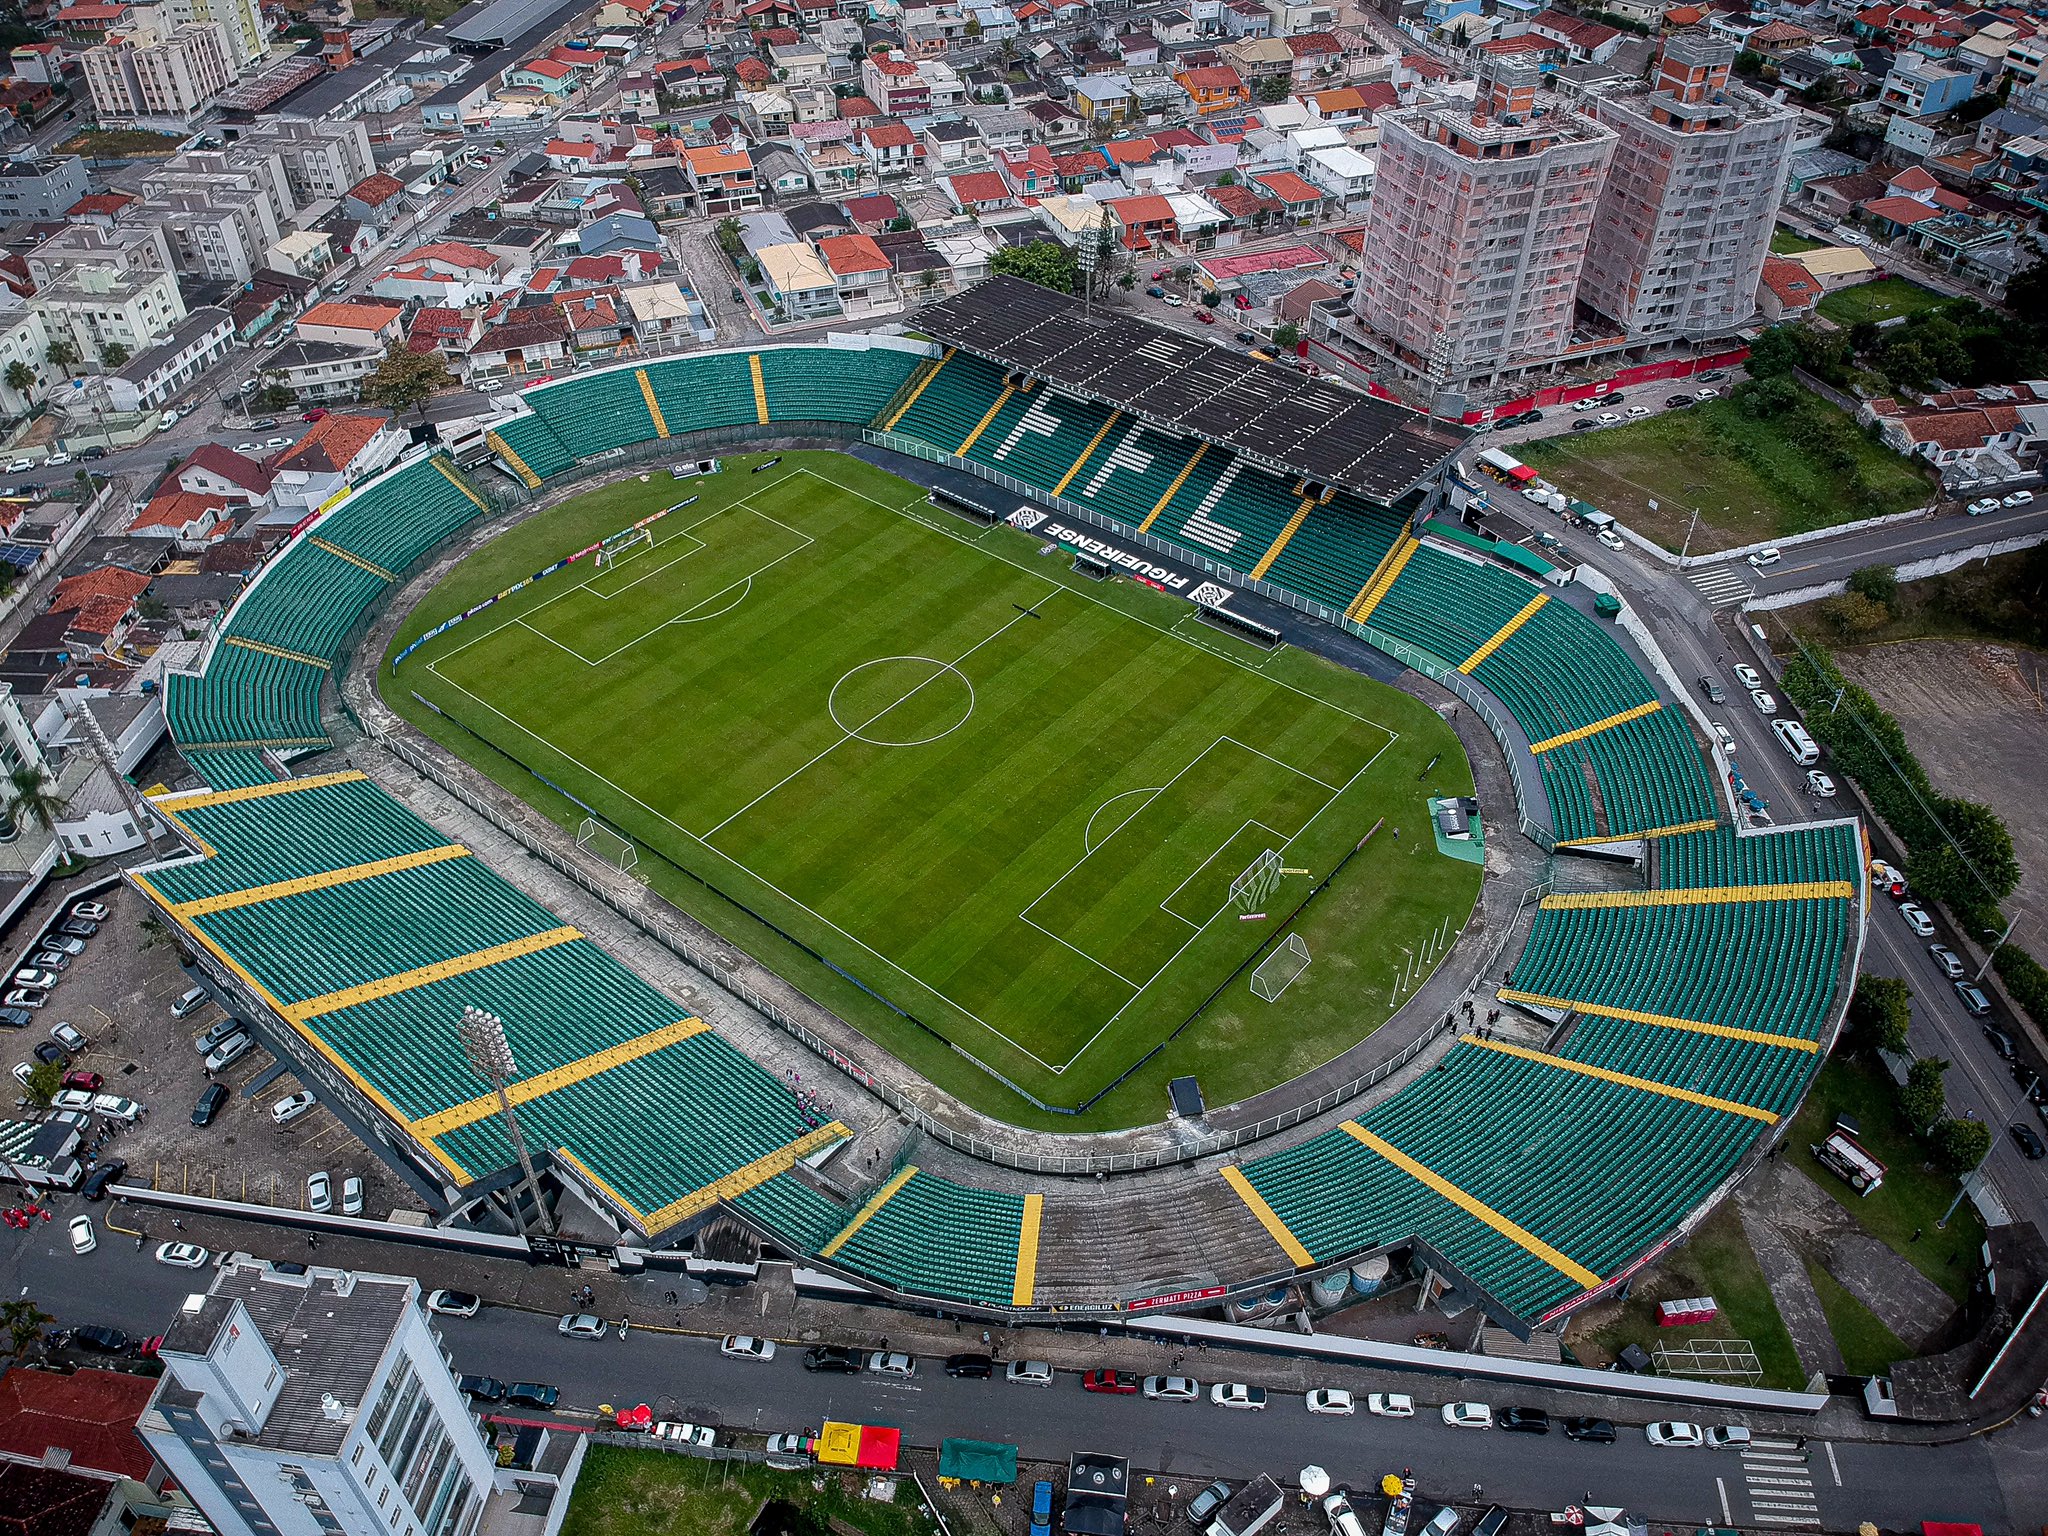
23 1322
61 354
1227 179
973 29
1879 583
275 395
1044 262
32 793
21 378
407 379
1959 1145
113 355
42 1083
728 233
1273 89
1920 1099
1881 1012
1288 336
1854 616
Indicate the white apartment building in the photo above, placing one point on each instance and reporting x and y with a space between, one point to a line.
22 340
322 159
1477 230
99 285
142 78
242 21
316 1405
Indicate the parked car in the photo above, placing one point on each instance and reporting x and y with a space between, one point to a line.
1235 1394
1819 785
1982 505
1609 538
1728 1437
79 927
229 1051
2029 1144
832 1360
1763 701
182 1255
72 1100
1173 1389
1203 1506
210 1104
481 1389
50 960
84 1082
1594 1431
1713 691
891 1363
1028 1373
51 1053
1725 737
63 944
581 1325
1950 962
220 1030
82 1240
1589 404
789 1453
289 1108
1468 1415
1525 1421
189 1001
1331 1400
1747 675
1116 1383
453 1303
2016 499
1608 418
16 1018
1974 1002
532 1394
702 1435
351 1195
1155 292
319 1191
745 1346
1584 426
1638 411
1677 402
2000 1042
1390 1405
26 997
69 1038
1706 394
103 1174
970 1367
1766 557
1673 1435
1915 917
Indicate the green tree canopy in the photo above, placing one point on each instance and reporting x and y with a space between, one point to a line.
1044 262
1881 1012
1879 583
1959 1145
1920 1099
406 380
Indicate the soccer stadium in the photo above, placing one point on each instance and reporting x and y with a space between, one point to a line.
866 686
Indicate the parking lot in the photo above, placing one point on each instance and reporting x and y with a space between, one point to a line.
118 993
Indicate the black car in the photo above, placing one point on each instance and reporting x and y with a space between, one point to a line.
2029 1143
210 1104
1677 402
101 1341
1998 1039
1713 691
532 1394
1584 426
16 1018
94 452
1596 1431
1529 416
486 1389
1524 1421
53 1053
1203 1506
833 1360
78 927
103 1174
980 1367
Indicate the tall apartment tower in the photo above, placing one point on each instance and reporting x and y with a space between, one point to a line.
241 21
1477 231
1684 224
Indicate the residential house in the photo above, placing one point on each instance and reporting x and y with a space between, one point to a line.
190 521
1787 292
1921 88
860 273
527 338
445 273
341 449
1300 201
798 284
217 471
1215 90
1315 54
723 180
158 374
376 200
895 85
352 324
977 192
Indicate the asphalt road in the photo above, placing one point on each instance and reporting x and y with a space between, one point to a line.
1835 559
1846 1482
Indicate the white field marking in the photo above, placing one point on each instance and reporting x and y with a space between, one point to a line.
958 537
1077 949
1213 853
1194 618
846 735
1833 1465
1727 1515
1088 842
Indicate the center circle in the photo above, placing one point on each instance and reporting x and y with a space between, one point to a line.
901 701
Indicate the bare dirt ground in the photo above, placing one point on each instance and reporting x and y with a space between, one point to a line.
1974 716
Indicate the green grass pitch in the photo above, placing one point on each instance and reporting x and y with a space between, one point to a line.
1006 804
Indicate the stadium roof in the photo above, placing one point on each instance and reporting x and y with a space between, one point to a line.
1262 411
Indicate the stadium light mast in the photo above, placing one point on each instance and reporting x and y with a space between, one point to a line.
490 1056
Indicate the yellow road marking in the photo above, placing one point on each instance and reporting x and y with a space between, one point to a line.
1661 1020
1267 1217
1026 1284
1702 895
880 1198
1293 525
1596 727
922 385
277 889
1087 453
526 1089
440 970
1646 1084
1472 1205
1528 612
278 651
203 798
1173 490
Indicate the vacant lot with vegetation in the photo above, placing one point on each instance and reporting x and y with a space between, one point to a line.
655 1493
1886 299
1752 477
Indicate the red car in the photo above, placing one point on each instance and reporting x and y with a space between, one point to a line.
90 1082
1205 317
315 414
1120 1383
1162 274
1240 301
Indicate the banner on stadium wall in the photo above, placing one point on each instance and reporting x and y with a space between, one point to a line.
523 583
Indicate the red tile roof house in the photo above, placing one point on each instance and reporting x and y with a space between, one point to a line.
1314 53
1304 204
446 331
1787 290
1898 214
341 449
191 520
978 191
531 339
860 272
89 1415
892 149
374 200
212 470
1590 42
1958 428
99 606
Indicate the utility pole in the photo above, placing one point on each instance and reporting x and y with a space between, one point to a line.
96 739
490 1057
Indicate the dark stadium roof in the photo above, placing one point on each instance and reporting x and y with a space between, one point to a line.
1334 435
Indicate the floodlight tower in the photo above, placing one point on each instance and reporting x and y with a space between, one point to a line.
490 1056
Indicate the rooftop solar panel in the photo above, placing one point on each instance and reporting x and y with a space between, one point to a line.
1333 435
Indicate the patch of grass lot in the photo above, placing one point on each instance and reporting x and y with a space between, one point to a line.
1868 1347
120 143
1749 476
1886 299
653 1493
1715 1261
1915 1192
1785 243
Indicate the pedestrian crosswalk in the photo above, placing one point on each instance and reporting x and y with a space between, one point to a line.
1780 1479
1721 585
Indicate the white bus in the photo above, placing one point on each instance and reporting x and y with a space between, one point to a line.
1797 743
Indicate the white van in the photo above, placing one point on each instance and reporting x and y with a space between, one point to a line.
1793 738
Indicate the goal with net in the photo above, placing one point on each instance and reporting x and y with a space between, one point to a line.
595 837
614 549
1248 892
1281 969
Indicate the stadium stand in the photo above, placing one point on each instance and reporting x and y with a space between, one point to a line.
1690 1014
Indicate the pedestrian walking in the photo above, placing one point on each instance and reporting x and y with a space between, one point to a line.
1915 1237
